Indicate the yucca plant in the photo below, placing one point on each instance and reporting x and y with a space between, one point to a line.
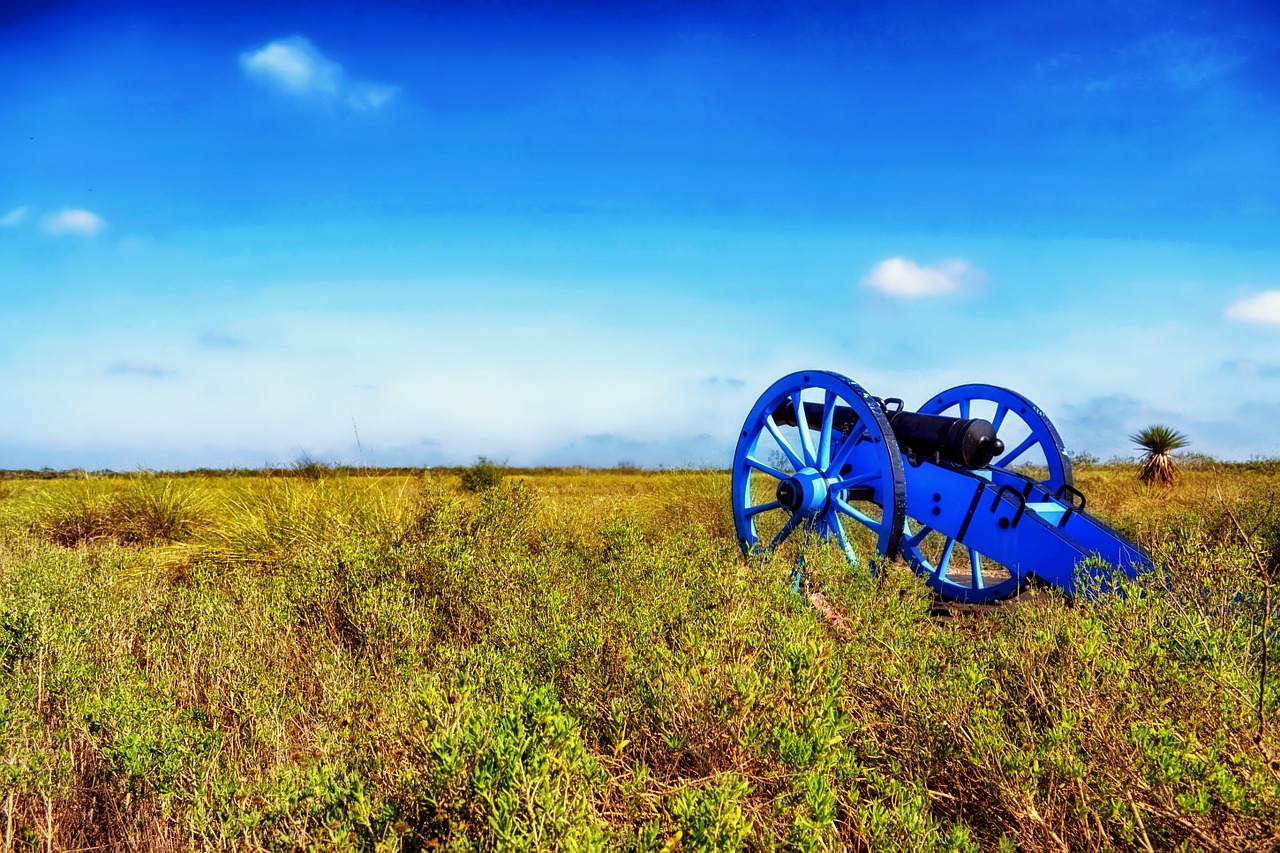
1158 443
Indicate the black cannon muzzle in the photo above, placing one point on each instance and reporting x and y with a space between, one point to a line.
969 442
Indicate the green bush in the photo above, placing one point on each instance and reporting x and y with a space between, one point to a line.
482 476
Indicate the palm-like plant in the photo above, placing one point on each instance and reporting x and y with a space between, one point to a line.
1158 443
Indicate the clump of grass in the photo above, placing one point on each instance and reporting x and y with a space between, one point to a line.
278 519
695 505
310 469
155 510
485 474
146 510
73 516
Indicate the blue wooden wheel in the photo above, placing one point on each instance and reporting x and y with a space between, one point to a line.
951 569
835 471
1029 437
954 571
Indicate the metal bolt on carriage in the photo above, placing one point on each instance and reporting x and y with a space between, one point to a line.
973 490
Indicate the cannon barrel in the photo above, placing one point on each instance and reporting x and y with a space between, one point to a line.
970 442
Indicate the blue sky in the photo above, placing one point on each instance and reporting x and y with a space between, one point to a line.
582 233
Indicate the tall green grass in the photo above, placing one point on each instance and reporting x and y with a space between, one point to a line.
584 661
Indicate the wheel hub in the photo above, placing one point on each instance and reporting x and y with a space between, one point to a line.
804 491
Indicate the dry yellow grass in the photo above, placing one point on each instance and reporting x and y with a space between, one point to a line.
582 660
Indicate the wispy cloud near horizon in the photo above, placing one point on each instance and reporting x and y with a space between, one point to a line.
139 368
907 279
293 66
13 217
1261 309
1251 368
84 223
220 340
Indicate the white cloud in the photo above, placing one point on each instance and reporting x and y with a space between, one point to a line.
294 67
901 277
74 221
1261 309
13 217
369 96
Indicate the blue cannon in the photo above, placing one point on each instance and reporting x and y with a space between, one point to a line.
973 490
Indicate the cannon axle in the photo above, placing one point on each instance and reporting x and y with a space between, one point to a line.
804 491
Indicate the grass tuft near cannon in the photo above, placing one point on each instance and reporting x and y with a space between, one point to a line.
973 490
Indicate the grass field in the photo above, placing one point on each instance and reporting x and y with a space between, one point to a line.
583 660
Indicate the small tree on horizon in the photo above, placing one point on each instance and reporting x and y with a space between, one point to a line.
482 476
1158 443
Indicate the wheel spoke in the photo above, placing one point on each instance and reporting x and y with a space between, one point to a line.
975 562
1001 411
765 469
945 560
759 508
860 480
833 520
1016 452
785 531
785 445
806 438
824 442
857 515
964 409
846 449
914 541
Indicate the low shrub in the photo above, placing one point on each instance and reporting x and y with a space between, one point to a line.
482 476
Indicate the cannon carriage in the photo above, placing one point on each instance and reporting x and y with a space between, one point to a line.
973 490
